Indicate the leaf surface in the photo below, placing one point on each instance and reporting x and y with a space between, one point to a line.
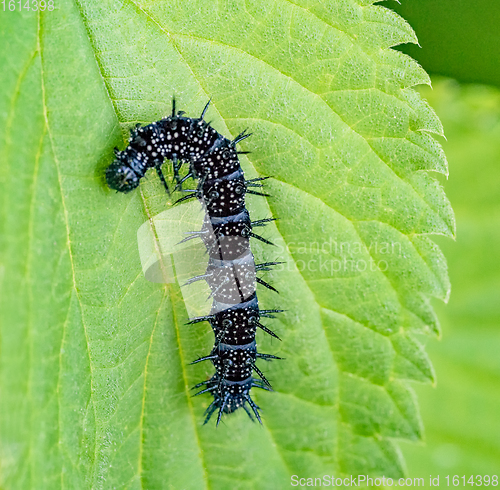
94 368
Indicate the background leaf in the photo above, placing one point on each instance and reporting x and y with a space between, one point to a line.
94 368
461 414
457 38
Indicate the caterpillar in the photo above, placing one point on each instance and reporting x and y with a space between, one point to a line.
226 232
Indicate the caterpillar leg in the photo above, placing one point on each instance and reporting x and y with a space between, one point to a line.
162 178
176 167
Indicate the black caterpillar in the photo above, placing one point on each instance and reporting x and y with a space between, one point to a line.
226 232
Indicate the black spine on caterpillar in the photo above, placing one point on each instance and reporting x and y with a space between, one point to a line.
226 232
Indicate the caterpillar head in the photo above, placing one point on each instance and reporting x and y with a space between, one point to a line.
120 175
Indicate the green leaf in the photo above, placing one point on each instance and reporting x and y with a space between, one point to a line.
94 358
